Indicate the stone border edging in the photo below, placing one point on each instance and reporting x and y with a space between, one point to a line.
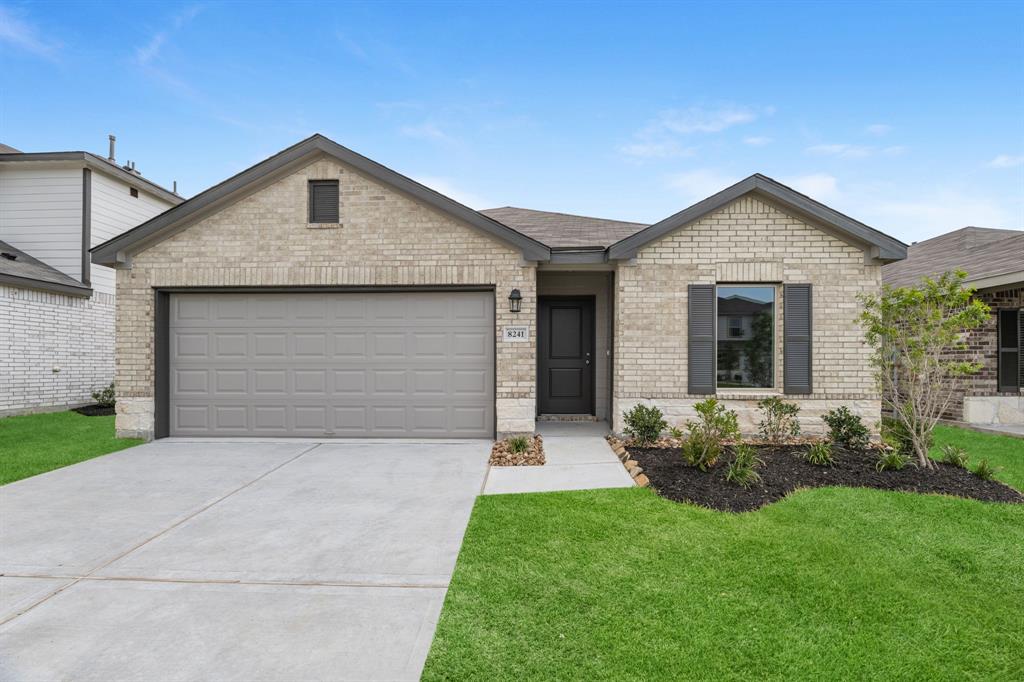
634 470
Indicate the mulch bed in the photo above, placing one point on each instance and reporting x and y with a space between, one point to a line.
784 471
502 456
94 411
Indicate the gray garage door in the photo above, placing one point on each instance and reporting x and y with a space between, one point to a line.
395 364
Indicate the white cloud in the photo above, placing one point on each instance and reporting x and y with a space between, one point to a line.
659 138
878 129
1006 161
757 141
701 183
151 50
446 187
426 131
818 186
666 149
923 216
24 36
854 151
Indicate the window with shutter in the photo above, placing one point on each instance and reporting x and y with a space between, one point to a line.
323 201
796 340
745 342
1008 333
701 339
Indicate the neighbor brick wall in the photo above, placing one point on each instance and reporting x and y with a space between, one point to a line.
41 332
385 238
747 241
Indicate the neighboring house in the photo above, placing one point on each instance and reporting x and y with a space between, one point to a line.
57 335
319 293
994 263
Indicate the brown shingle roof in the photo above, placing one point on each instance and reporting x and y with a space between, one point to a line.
982 252
563 230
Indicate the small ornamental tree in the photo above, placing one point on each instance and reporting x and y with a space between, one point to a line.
917 334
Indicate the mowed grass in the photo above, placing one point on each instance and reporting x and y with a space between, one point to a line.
830 583
1004 452
35 443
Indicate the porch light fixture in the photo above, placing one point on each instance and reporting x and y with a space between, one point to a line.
515 301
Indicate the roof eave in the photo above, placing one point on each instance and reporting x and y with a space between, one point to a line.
99 164
43 285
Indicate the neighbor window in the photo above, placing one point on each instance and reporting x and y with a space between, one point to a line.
746 337
323 201
1009 333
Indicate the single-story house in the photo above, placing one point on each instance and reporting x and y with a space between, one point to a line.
57 309
319 293
994 263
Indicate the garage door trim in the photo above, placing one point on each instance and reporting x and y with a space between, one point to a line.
161 331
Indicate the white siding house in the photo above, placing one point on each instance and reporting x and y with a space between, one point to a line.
56 309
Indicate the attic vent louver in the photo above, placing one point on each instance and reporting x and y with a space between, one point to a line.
9 256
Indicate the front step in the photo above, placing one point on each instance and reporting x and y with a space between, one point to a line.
567 418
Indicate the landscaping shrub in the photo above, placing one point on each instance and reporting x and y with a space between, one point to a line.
985 471
105 397
676 433
820 454
896 434
846 428
741 470
518 444
891 460
955 455
708 434
644 423
779 419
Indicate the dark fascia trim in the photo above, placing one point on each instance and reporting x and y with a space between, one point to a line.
43 285
879 245
86 225
117 249
100 164
580 255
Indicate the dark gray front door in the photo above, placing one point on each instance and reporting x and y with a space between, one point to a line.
565 352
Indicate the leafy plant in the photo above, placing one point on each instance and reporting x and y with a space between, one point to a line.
846 428
896 434
918 337
676 433
955 455
985 471
105 397
741 469
820 454
517 445
707 435
891 460
644 423
779 419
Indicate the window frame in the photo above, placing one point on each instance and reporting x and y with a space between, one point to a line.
310 190
776 342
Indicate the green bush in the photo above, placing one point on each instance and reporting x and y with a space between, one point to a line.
846 428
955 455
779 419
105 397
896 434
820 454
985 471
708 434
891 460
676 433
517 445
741 469
644 424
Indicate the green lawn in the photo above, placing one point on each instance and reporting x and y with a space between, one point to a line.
35 443
830 583
1001 451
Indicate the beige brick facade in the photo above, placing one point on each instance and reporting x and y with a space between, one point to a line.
385 238
747 241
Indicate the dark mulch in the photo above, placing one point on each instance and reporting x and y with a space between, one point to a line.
94 411
784 471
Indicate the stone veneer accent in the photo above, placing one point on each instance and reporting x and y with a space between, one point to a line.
41 332
385 238
747 241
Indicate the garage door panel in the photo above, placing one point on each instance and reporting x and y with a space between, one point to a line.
332 364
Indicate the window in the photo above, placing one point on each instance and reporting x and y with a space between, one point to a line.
1008 333
323 201
746 337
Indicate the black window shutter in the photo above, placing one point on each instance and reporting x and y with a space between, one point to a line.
701 337
1009 344
323 201
796 343
1020 359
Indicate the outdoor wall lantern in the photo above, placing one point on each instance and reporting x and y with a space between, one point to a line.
515 301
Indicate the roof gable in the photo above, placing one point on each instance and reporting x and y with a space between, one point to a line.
877 245
118 249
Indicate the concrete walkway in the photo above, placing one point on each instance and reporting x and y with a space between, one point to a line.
578 458
234 561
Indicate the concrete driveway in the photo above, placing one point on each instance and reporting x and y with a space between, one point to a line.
223 560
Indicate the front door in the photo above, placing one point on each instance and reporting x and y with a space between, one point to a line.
565 355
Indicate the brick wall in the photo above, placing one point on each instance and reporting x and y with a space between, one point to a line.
41 332
748 241
385 238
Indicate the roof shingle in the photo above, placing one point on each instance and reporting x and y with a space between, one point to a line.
563 230
981 252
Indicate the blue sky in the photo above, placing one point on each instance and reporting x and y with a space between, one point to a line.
907 116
